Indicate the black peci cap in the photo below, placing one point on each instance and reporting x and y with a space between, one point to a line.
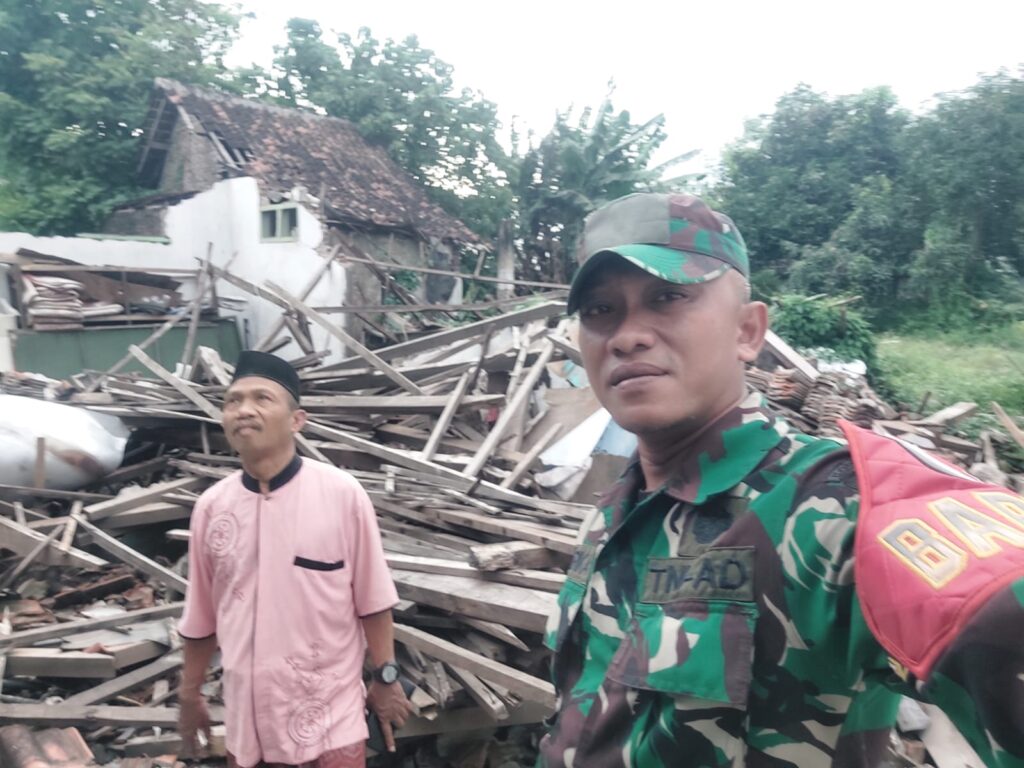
267 366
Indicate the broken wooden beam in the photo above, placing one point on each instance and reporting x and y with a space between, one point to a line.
512 606
128 681
59 715
397 404
23 540
949 415
545 581
502 555
789 356
132 498
522 684
1011 426
126 554
454 401
350 342
510 412
65 629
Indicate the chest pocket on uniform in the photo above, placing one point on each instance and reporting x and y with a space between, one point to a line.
693 630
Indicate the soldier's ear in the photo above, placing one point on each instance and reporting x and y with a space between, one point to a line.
753 325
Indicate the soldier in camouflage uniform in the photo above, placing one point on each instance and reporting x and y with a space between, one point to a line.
711 615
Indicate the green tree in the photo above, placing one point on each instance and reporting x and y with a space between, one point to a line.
967 158
868 254
575 168
75 83
791 179
807 322
402 96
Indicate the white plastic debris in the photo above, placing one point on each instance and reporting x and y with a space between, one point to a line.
80 446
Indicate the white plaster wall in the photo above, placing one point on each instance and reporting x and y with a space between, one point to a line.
226 220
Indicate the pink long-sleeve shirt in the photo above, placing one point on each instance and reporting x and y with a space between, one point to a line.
282 580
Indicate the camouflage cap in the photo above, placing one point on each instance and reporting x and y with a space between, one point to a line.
673 236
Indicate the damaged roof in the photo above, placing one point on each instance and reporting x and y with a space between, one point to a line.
284 148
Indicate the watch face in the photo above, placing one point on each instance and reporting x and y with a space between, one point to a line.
389 673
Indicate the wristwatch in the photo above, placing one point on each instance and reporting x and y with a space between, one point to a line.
386 673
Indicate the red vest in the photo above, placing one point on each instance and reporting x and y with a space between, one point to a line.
933 544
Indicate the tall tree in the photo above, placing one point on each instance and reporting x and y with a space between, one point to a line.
868 253
967 157
75 81
403 97
791 179
574 169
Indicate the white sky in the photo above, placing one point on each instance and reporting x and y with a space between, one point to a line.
707 66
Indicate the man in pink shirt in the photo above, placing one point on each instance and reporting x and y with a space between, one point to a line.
286 575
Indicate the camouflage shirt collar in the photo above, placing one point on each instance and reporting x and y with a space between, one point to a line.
722 456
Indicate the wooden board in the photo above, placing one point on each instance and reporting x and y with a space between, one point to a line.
53 662
450 477
127 682
530 688
949 415
24 540
395 404
503 555
126 554
552 539
544 581
61 715
512 606
789 356
67 628
459 333
370 357
1011 426
480 693
132 498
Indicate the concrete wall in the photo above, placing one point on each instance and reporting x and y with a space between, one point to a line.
225 219
191 161
365 289
137 221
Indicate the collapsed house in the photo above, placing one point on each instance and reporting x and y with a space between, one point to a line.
269 193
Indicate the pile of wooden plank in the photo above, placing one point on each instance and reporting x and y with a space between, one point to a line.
51 293
440 446
443 429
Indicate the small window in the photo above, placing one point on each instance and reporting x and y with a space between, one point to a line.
279 222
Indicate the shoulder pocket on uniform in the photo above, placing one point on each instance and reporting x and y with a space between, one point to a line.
698 648
318 565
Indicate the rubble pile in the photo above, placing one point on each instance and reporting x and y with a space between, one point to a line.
448 431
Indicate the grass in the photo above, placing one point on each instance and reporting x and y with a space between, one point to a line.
981 367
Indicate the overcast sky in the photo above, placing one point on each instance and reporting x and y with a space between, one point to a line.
707 66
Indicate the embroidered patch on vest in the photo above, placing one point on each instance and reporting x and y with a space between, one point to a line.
722 573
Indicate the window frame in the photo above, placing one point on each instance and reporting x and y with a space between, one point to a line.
279 210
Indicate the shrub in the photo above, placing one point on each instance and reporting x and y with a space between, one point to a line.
816 322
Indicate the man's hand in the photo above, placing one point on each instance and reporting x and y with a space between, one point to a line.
193 719
391 705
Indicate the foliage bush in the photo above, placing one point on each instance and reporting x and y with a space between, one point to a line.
813 322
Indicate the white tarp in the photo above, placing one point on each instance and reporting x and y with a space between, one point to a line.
81 446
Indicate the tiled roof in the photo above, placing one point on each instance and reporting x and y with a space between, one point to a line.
284 148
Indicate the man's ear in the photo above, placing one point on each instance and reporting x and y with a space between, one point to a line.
299 418
753 326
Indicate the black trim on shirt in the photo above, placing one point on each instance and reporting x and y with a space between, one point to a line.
252 484
318 565
187 637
